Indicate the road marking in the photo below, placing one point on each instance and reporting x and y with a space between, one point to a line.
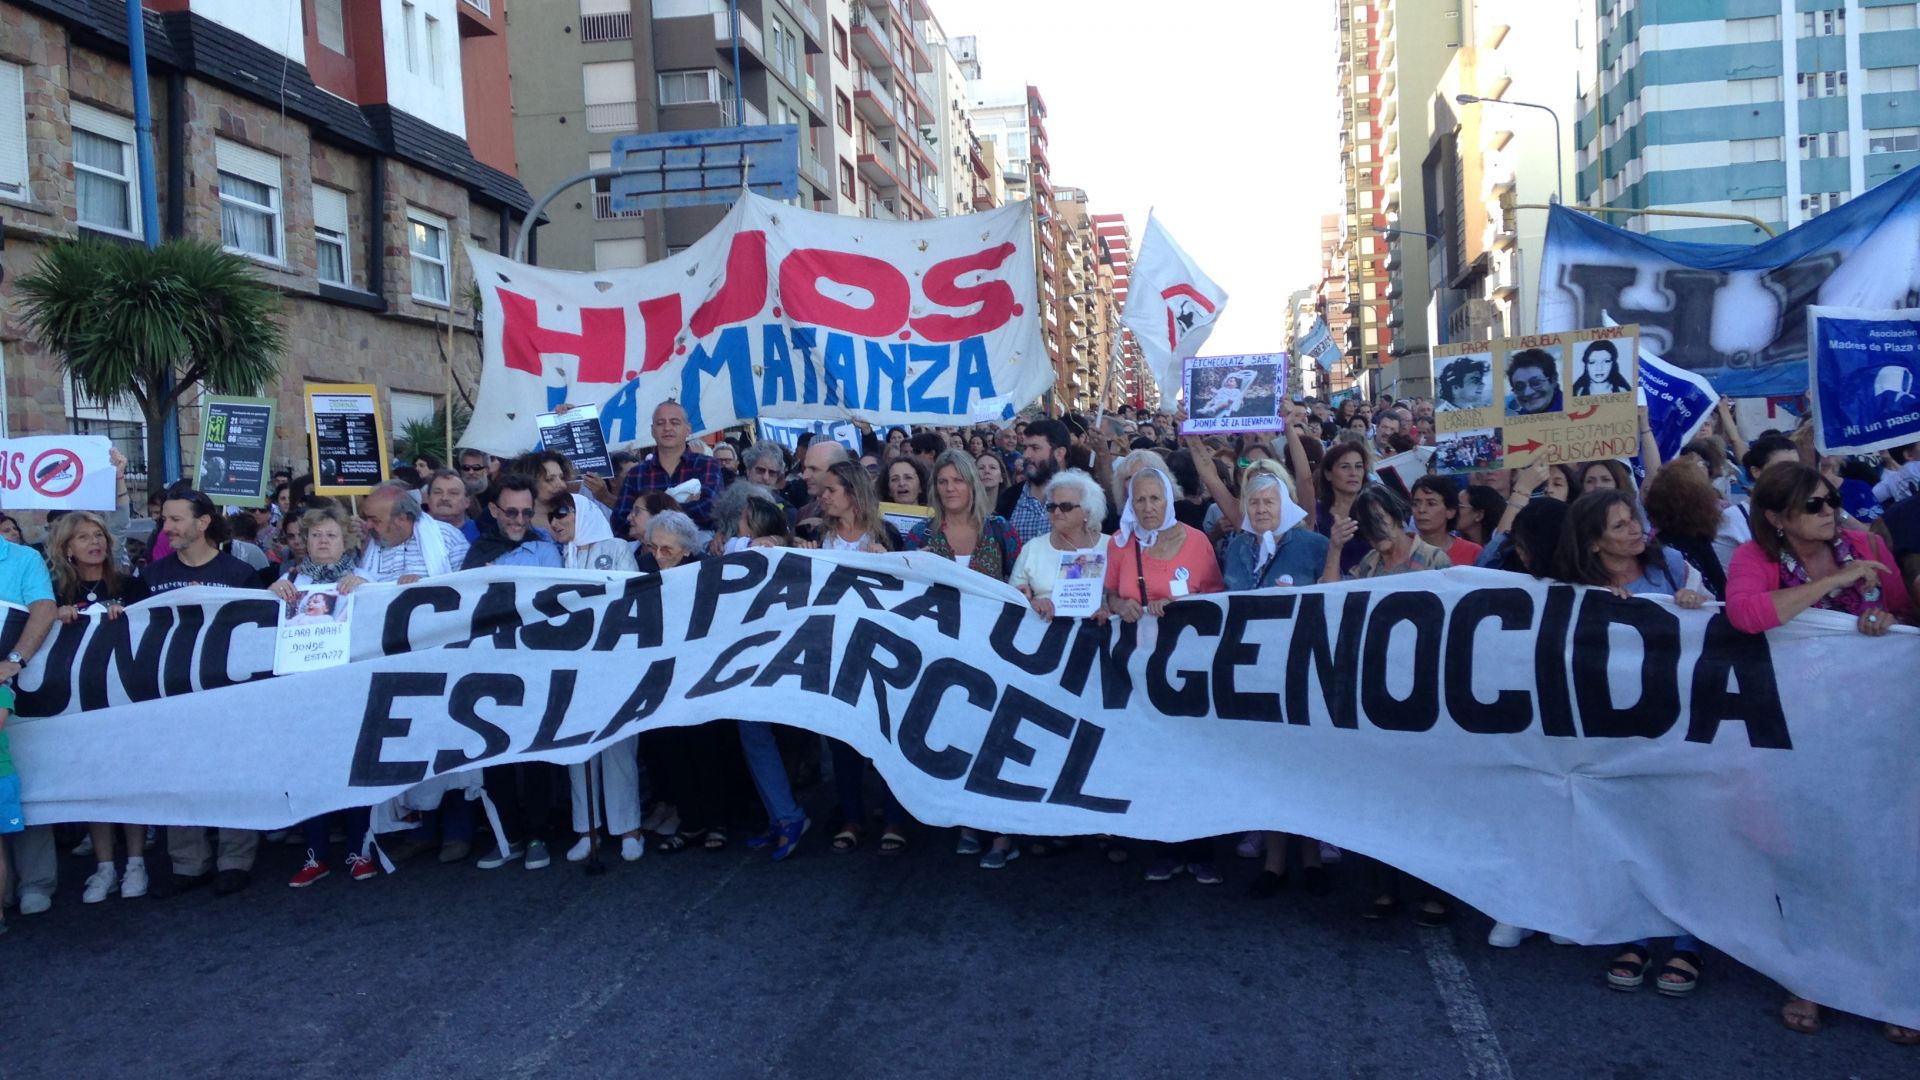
1466 1013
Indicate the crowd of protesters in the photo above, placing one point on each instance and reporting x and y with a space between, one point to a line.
1768 528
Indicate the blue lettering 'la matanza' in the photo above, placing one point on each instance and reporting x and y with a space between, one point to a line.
846 364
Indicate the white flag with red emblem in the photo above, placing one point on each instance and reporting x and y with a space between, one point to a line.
1171 306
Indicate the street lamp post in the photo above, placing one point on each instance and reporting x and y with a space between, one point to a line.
1559 179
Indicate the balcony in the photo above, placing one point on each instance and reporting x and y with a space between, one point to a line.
484 7
881 210
811 91
804 12
874 100
614 116
755 117
816 172
870 43
881 168
750 37
611 26
603 208
982 196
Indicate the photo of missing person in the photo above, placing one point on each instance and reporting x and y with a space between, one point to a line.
318 607
1467 451
1464 382
1235 393
1600 371
1533 382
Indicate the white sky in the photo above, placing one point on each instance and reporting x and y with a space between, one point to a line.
1218 115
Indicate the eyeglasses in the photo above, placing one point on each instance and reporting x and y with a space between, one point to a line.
514 515
1533 384
482 467
1815 502
556 513
1060 508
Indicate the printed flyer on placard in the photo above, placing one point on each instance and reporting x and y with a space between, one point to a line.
347 439
1227 394
236 440
1077 591
313 631
577 436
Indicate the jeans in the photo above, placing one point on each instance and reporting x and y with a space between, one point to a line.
769 772
315 829
849 777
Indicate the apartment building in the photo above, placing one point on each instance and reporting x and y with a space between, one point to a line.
1013 120
347 149
1132 384
1773 110
1485 158
1333 302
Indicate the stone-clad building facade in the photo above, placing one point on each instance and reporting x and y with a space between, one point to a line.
340 146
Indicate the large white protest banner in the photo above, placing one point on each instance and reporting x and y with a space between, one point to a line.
777 312
1563 759
57 472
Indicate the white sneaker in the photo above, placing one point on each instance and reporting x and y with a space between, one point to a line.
133 884
1329 854
537 857
1505 936
84 848
35 903
100 885
580 850
632 847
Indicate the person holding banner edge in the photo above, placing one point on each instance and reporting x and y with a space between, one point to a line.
24 581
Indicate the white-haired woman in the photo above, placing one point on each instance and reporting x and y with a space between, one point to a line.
1152 561
1075 508
964 529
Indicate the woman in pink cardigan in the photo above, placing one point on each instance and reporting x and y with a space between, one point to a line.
1800 558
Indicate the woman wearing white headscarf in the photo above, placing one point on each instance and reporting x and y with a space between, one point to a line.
606 788
1151 562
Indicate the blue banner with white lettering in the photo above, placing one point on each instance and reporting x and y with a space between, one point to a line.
1866 367
1733 313
1678 403
1317 343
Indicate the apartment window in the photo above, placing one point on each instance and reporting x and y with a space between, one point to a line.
1893 80
1812 206
843 112
331 256
1828 23
427 241
846 179
249 200
839 42
433 50
1823 84
1895 17
1764 209
1823 144
619 254
409 39
410 408
611 95
1893 140
1753 91
691 87
1745 150
329 24
1763 28
13 131
105 191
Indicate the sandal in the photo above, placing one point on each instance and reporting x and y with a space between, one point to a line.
1432 914
1385 907
1674 980
668 843
893 841
1901 1036
1801 1015
1629 969
716 838
846 840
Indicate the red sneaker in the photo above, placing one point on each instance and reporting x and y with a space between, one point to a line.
361 868
313 871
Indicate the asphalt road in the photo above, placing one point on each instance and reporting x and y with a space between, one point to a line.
726 965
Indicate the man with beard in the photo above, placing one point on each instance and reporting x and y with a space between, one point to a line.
1024 505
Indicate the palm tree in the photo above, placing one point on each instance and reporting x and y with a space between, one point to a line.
126 319
428 438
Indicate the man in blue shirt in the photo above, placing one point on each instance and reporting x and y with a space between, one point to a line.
24 581
512 540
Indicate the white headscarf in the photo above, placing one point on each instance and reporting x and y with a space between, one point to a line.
1290 514
1129 524
589 528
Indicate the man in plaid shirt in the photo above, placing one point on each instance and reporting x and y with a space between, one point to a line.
671 464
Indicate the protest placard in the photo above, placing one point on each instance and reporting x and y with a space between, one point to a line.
1079 589
313 631
1866 378
236 441
577 436
903 516
57 472
346 438
1230 394
1569 397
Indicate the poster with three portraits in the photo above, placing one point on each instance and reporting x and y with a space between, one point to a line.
1558 398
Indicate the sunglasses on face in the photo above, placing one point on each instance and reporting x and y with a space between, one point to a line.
473 468
1061 508
1829 500
557 513
515 515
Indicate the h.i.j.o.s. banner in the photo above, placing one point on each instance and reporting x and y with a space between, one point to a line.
777 313
1563 759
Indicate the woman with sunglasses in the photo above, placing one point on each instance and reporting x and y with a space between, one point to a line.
965 529
1800 559
1075 507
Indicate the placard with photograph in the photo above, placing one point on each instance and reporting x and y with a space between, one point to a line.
313 630
1231 394
236 440
1562 398
1079 587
